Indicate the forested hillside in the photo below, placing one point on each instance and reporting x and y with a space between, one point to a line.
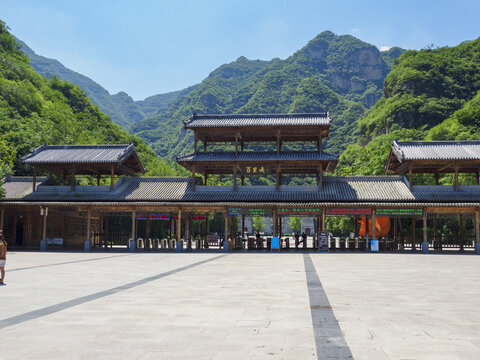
341 74
430 94
35 110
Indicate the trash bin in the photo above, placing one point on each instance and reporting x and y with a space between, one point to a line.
374 245
43 245
425 247
86 245
477 248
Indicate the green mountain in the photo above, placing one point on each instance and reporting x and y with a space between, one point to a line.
340 73
121 107
431 94
35 110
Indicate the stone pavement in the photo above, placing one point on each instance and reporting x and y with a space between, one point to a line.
239 306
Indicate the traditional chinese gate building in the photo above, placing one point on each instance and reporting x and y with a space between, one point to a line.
36 208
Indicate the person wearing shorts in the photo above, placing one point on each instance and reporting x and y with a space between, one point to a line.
3 256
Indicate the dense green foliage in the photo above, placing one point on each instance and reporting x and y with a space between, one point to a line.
430 94
121 107
34 110
337 73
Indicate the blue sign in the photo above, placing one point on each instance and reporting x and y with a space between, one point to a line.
275 243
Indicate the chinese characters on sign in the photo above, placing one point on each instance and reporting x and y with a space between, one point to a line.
399 212
349 211
168 217
255 170
299 212
250 212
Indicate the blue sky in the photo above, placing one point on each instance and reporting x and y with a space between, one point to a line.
147 47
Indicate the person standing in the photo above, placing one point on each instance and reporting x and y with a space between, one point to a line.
3 256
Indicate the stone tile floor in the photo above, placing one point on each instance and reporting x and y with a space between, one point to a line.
240 306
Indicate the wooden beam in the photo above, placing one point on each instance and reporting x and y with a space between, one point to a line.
44 229
134 231
236 142
410 170
477 226
425 234
319 142
413 234
437 177
320 178
374 228
179 224
456 177
205 177
34 183
435 232
98 179
235 178
73 180
89 221
274 220
278 141
205 145
193 178
112 177
64 177
323 219
226 246
477 176
2 215
461 238
242 179
195 142
277 185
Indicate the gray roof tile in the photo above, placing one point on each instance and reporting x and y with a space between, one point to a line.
241 120
57 154
436 150
255 156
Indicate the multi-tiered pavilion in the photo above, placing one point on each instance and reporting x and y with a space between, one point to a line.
275 129
41 207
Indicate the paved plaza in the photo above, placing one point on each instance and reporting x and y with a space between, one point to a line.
145 306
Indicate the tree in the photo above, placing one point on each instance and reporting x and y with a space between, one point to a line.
295 223
258 223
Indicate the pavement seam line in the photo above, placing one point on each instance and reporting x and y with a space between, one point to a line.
35 314
66 263
329 340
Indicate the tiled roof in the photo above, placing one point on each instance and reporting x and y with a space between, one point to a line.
18 187
256 156
58 154
436 150
391 190
241 120
446 193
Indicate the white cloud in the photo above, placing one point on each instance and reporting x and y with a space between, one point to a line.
385 48
355 31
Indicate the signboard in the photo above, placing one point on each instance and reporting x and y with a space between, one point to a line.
57 241
323 241
168 217
154 217
349 211
400 212
299 211
254 169
250 212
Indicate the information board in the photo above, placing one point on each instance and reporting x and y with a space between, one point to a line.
299 211
154 217
168 217
250 212
349 211
323 241
399 212
275 243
